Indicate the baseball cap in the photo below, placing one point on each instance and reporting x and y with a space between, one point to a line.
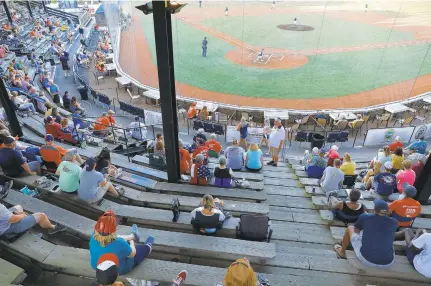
111 112
49 137
388 165
49 119
380 206
409 190
69 155
89 164
106 272
136 118
8 140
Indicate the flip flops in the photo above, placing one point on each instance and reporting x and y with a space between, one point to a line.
336 248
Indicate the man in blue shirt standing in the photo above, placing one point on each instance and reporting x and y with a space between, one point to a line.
372 237
420 146
204 47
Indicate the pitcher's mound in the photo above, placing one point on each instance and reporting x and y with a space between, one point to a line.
293 27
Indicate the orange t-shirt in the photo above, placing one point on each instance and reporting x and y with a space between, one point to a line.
33 34
192 112
112 119
394 145
102 123
61 150
407 207
201 150
213 145
185 159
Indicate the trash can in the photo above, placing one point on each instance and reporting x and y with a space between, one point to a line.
317 140
83 91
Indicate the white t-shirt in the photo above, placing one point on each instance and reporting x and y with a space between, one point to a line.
422 261
277 135
136 128
214 210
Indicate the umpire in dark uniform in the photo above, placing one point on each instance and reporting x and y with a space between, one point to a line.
204 47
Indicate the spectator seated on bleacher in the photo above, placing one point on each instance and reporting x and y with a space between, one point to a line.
13 163
315 159
100 56
383 156
35 34
14 221
201 149
352 124
199 171
406 208
192 112
348 167
18 65
22 104
66 128
397 143
418 249
45 79
83 59
105 244
159 149
6 27
110 116
100 67
240 273
416 157
397 160
200 134
332 178
332 155
66 100
54 91
137 129
69 172
384 183
104 165
93 185
78 122
52 126
101 125
407 175
253 158
369 176
26 83
419 166
3 50
152 145
209 216
185 158
419 145
222 174
213 146
346 211
74 105
54 154
235 156
372 237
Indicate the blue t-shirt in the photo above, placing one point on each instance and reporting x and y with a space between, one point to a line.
253 161
234 157
386 183
89 184
419 146
378 233
53 89
119 247
243 131
11 161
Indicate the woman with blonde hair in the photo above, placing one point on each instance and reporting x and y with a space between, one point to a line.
203 114
348 167
240 273
369 177
208 217
254 158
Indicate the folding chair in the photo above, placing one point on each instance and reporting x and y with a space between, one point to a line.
301 137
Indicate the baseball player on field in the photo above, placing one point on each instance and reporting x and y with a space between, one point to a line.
260 55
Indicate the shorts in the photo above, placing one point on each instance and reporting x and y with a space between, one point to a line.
33 166
101 191
356 241
410 255
21 226
274 151
266 136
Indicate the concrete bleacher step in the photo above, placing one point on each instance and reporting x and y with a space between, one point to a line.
203 246
291 202
10 273
296 215
303 174
365 195
284 191
281 182
279 175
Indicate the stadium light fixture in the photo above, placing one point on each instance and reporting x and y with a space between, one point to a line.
173 7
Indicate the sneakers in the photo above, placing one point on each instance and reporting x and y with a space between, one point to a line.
150 241
274 165
270 163
181 278
58 228
135 232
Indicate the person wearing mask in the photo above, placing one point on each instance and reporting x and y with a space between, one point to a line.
213 145
12 161
192 112
234 156
348 167
223 175
276 141
210 213
332 178
406 208
185 159
404 176
385 182
199 172
93 185
254 158
137 129
372 237
347 211
22 104
242 127
419 145
69 173
105 243
397 160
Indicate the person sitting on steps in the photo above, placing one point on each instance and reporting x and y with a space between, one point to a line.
240 273
347 211
209 216
13 163
222 174
405 209
332 178
199 171
69 173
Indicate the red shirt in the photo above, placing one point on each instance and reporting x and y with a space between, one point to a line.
201 150
191 113
407 207
185 160
213 145
103 123
333 154
394 145
417 168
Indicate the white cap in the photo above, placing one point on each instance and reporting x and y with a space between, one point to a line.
388 165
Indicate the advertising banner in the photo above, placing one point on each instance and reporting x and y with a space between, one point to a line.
422 130
384 136
254 134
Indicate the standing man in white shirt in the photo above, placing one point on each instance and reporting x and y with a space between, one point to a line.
276 140
137 129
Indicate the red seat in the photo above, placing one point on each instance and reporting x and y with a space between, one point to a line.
54 131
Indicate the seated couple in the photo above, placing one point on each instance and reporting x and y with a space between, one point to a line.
209 216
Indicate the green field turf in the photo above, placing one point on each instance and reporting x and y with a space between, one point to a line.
328 75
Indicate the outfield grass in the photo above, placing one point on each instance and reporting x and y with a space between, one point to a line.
262 31
328 75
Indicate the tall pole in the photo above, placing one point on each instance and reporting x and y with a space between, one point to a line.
6 9
43 5
29 8
168 102
423 184
7 104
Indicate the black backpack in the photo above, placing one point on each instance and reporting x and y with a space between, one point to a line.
175 205
157 161
254 227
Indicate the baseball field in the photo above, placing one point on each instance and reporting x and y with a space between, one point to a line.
316 55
